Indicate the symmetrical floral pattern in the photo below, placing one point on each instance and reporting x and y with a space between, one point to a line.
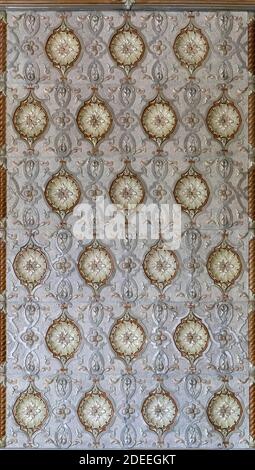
192 192
62 192
96 265
63 338
30 410
95 411
160 265
63 47
224 265
224 411
138 340
191 337
191 47
127 47
94 119
159 119
127 190
127 337
30 119
159 410
224 119
30 265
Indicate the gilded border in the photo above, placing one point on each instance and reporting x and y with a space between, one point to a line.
251 212
3 177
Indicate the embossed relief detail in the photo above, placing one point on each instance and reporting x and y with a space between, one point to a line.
30 265
223 119
94 119
135 342
63 47
224 265
62 192
96 265
30 119
224 411
159 119
159 410
191 47
191 191
30 410
95 411
127 47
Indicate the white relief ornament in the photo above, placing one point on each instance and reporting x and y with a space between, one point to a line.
159 410
225 22
96 364
30 218
128 436
96 23
95 411
193 385
193 436
63 145
62 94
64 290
96 72
31 23
64 240
127 94
31 73
129 290
192 145
63 385
159 72
32 363
63 48
63 436
192 94
30 410
128 385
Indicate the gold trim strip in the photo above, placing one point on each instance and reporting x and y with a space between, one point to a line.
2 121
251 190
251 212
3 180
251 114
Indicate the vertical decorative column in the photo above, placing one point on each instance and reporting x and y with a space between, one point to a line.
251 196
2 226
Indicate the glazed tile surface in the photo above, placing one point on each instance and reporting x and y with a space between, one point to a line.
127 343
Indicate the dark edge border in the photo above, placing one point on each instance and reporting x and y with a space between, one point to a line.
3 177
